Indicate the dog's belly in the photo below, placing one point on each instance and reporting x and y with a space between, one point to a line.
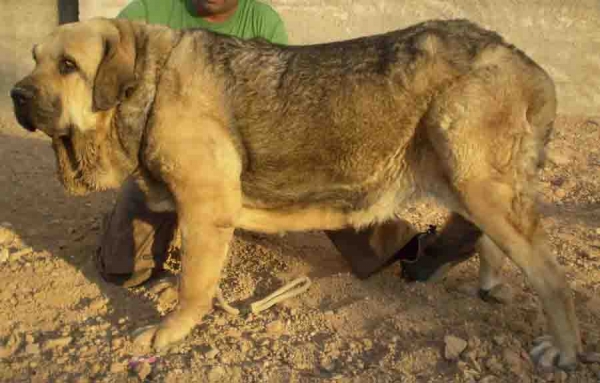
377 206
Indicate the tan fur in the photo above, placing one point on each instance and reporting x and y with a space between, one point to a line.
235 133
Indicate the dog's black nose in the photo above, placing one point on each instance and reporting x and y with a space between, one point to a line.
21 96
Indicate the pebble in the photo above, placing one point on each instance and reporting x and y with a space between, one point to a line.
454 346
32 349
216 374
7 235
513 361
591 357
558 158
117 367
494 365
488 379
327 365
4 254
117 343
500 340
12 345
212 353
58 342
560 377
142 370
275 327
98 304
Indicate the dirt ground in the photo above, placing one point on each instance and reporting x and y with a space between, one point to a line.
61 323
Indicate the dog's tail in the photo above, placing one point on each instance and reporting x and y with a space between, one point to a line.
542 108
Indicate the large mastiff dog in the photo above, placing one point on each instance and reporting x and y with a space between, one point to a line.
245 134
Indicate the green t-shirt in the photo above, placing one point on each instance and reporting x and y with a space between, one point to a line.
251 18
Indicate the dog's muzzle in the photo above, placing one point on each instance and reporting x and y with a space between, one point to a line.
23 97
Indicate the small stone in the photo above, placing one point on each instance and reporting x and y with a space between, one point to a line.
494 365
560 193
558 158
33 364
11 346
327 365
514 362
467 289
4 254
245 347
142 370
500 340
488 379
275 327
58 342
474 343
212 353
29 338
235 334
7 235
98 304
216 374
117 343
592 357
32 349
560 376
454 346
115 368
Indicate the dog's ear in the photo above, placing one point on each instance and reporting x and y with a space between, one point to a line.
116 72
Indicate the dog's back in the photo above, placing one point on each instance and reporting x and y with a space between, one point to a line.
338 124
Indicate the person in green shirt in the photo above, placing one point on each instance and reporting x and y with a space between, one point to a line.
245 19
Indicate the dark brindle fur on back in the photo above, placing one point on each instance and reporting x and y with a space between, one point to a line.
246 134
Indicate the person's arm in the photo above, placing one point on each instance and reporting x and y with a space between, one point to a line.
135 10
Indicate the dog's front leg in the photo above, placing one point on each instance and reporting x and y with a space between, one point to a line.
206 230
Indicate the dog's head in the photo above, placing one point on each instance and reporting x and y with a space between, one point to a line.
82 72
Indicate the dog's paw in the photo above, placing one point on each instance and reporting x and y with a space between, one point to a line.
546 356
171 331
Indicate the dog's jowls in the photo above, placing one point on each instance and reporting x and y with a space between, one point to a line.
246 134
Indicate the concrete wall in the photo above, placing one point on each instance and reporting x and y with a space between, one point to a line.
21 24
563 36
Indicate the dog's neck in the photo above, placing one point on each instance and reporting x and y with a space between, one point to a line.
130 118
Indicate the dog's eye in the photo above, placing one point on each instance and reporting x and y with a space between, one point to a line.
66 66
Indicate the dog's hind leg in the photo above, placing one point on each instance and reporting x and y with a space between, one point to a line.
489 151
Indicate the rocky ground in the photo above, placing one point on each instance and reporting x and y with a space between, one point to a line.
61 323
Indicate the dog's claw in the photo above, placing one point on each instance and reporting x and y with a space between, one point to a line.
547 357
